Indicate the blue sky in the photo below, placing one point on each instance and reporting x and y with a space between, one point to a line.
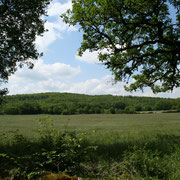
61 70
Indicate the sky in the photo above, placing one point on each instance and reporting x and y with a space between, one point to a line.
61 70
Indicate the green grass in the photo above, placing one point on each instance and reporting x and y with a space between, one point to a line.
123 124
130 146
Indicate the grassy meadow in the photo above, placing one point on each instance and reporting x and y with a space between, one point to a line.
122 124
124 146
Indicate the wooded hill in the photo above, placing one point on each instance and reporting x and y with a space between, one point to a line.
68 103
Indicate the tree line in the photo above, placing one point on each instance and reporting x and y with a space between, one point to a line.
67 103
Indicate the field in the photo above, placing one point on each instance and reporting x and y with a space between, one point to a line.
128 146
123 124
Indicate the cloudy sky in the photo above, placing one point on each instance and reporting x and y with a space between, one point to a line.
61 70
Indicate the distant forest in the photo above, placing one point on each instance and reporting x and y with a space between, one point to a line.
68 103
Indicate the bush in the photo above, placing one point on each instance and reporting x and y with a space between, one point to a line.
53 151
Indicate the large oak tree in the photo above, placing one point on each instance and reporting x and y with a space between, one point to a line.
20 22
138 40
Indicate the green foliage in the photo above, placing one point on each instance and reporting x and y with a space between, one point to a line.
141 146
46 128
151 163
147 157
66 104
145 163
161 105
21 21
137 39
53 151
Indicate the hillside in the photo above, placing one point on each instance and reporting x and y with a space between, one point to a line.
69 103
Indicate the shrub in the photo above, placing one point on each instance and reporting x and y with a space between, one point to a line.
53 151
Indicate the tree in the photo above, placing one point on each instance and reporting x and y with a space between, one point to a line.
163 105
136 39
20 22
119 105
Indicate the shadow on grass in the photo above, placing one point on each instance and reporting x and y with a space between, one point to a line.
22 157
161 144
147 155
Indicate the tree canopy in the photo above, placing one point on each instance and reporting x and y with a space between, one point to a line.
138 40
69 103
20 22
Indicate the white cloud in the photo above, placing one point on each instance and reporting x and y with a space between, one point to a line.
42 78
57 8
58 78
49 37
92 57
106 86
42 71
56 27
88 57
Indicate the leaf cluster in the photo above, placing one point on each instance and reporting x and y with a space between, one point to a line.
20 22
136 40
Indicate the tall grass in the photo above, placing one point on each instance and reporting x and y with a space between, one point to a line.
146 157
116 147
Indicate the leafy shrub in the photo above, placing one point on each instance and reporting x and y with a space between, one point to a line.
53 151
